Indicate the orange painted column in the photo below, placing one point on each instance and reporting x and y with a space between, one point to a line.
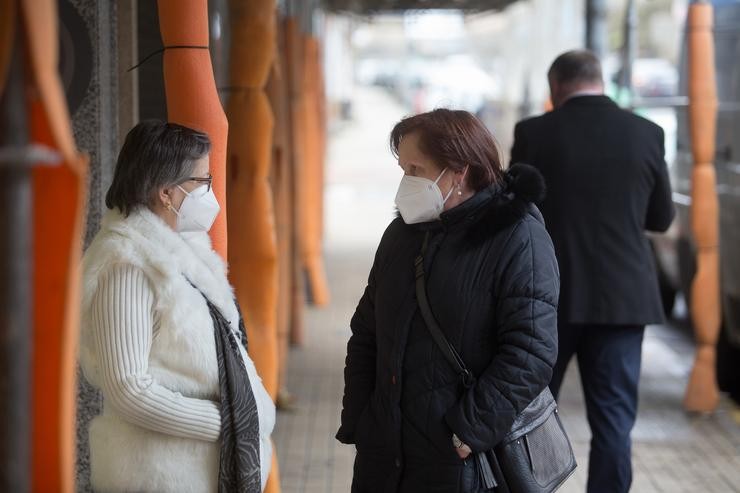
323 135
702 394
59 201
281 178
313 176
192 99
251 217
294 71
253 246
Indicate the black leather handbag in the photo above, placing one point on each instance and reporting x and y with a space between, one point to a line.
536 455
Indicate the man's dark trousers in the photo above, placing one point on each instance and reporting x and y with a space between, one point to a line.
609 359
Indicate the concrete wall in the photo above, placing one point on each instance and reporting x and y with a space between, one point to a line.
95 126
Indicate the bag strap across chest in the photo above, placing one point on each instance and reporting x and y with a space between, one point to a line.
448 350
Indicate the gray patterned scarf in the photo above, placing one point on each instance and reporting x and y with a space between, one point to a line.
239 468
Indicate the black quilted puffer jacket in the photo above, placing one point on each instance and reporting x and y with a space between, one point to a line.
492 282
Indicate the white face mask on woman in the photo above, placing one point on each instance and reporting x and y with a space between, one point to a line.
197 211
420 199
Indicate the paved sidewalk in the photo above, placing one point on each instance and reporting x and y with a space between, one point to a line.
673 452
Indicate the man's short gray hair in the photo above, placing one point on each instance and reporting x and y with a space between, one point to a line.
576 67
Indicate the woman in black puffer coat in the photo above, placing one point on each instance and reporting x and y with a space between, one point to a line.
492 282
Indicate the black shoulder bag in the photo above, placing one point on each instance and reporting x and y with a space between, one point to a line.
536 455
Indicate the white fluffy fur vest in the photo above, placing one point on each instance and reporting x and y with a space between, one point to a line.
126 457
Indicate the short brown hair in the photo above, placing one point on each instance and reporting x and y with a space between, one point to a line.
454 139
575 67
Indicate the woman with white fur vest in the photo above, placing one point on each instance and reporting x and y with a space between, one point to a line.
162 335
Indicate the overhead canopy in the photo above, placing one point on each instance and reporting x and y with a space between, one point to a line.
376 6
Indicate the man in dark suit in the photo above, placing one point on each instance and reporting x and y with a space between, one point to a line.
607 183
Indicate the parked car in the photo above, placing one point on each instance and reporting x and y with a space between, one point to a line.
675 251
654 77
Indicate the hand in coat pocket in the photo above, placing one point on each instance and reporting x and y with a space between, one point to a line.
462 449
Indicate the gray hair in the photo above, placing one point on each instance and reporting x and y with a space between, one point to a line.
576 67
155 155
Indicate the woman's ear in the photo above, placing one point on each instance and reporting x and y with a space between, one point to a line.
461 174
164 196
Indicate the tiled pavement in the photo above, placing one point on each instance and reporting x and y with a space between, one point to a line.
673 452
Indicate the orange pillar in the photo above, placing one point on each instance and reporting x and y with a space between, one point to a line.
313 175
294 73
253 243
58 215
192 99
323 142
281 177
253 246
702 394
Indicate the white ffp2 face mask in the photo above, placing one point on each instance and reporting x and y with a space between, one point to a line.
419 199
197 211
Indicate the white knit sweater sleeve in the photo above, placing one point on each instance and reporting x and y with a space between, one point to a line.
123 323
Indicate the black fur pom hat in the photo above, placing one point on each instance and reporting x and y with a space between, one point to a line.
525 182
522 188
